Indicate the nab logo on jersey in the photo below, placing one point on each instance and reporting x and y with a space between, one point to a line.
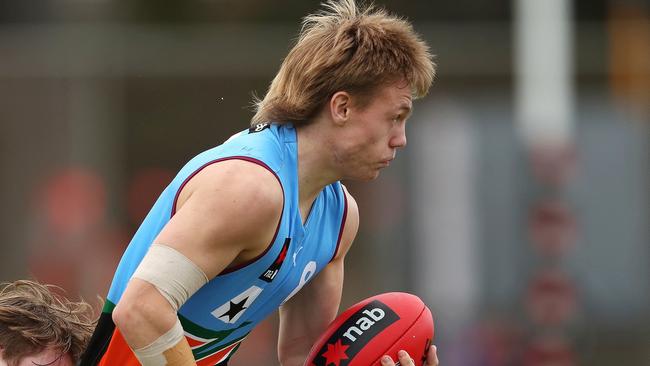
274 268
355 333
259 127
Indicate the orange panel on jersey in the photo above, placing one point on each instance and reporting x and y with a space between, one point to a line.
118 352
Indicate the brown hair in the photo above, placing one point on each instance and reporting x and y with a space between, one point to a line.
342 48
32 318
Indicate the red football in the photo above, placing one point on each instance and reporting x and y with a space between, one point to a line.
377 326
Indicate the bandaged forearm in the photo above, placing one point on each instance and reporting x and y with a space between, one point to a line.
170 349
174 275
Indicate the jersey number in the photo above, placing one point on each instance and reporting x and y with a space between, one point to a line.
307 274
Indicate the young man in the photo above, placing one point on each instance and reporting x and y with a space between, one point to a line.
40 328
261 222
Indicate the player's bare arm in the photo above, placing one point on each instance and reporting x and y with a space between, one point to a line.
306 315
225 215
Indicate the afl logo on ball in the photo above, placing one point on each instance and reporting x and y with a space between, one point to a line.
355 333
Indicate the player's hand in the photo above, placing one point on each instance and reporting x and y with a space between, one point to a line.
406 360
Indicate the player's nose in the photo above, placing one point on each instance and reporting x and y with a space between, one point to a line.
399 139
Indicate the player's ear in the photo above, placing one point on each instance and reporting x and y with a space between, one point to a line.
340 107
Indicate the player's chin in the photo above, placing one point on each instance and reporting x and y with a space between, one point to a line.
372 175
364 175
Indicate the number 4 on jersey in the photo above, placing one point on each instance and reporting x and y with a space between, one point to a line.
232 310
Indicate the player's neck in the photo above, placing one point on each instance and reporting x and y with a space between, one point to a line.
314 170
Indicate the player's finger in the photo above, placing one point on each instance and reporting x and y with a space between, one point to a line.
432 356
387 361
405 359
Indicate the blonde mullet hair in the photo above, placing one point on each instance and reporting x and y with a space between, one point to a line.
344 48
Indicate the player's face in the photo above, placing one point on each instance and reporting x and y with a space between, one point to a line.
376 132
49 356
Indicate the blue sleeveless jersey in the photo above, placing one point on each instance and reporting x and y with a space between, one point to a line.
223 311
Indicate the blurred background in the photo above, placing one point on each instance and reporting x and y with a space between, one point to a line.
520 211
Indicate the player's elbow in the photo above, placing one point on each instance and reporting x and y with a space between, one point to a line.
136 317
128 315
142 313
142 319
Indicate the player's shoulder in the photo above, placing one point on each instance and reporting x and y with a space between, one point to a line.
238 182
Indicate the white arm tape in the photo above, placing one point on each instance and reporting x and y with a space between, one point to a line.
174 275
152 355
